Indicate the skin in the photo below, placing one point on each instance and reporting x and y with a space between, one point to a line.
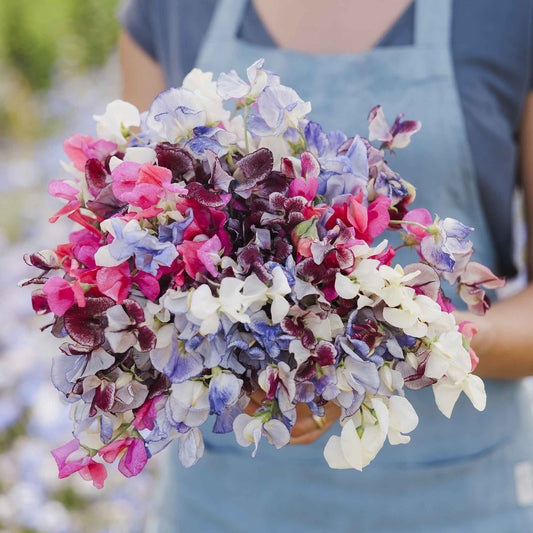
505 335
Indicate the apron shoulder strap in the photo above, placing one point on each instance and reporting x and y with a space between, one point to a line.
433 23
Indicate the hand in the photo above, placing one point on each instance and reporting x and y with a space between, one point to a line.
306 430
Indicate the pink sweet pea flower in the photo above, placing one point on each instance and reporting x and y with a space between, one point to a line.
474 277
142 185
132 461
79 148
420 216
307 186
61 295
114 282
71 458
200 256
469 329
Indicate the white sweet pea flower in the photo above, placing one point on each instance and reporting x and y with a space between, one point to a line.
402 419
205 309
249 430
361 438
118 116
136 154
448 357
447 391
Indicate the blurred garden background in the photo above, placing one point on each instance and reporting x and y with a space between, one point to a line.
58 66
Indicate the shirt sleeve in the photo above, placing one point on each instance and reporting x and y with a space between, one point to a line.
135 16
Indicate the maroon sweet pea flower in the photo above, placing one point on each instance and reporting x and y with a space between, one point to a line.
86 325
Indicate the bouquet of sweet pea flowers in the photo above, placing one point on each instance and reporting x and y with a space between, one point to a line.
220 254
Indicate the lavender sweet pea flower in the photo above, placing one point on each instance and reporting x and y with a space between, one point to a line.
448 239
224 391
322 144
188 403
279 108
174 114
130 239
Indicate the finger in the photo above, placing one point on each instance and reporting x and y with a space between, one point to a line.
255 402
305 422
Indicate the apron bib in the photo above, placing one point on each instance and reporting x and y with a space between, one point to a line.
455 475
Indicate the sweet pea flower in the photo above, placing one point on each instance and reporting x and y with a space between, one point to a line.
224 390
231 86
130 240
188 403
133 455
399 136
279 108
171 357
191 447
143 185
361 438
447 245
71 458
475 276
249 430
114 123
80 148
61 295
447 390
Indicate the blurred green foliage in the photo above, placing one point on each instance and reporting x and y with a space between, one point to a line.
41 37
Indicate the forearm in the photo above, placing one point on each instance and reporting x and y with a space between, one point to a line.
504 343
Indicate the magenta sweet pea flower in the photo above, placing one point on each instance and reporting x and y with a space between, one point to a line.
80 148
71 458
474 277
132 461
62 295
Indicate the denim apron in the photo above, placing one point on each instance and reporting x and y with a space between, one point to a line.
457 475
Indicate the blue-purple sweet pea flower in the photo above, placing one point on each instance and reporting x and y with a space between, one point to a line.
191 447
171 357
390 184
224 421
448 239
211 138
224 391
174 232
323 145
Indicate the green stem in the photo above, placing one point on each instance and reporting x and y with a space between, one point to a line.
408 223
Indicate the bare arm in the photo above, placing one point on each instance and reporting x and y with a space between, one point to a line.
142 77
505 339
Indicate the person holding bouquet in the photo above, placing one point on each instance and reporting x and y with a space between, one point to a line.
465 71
